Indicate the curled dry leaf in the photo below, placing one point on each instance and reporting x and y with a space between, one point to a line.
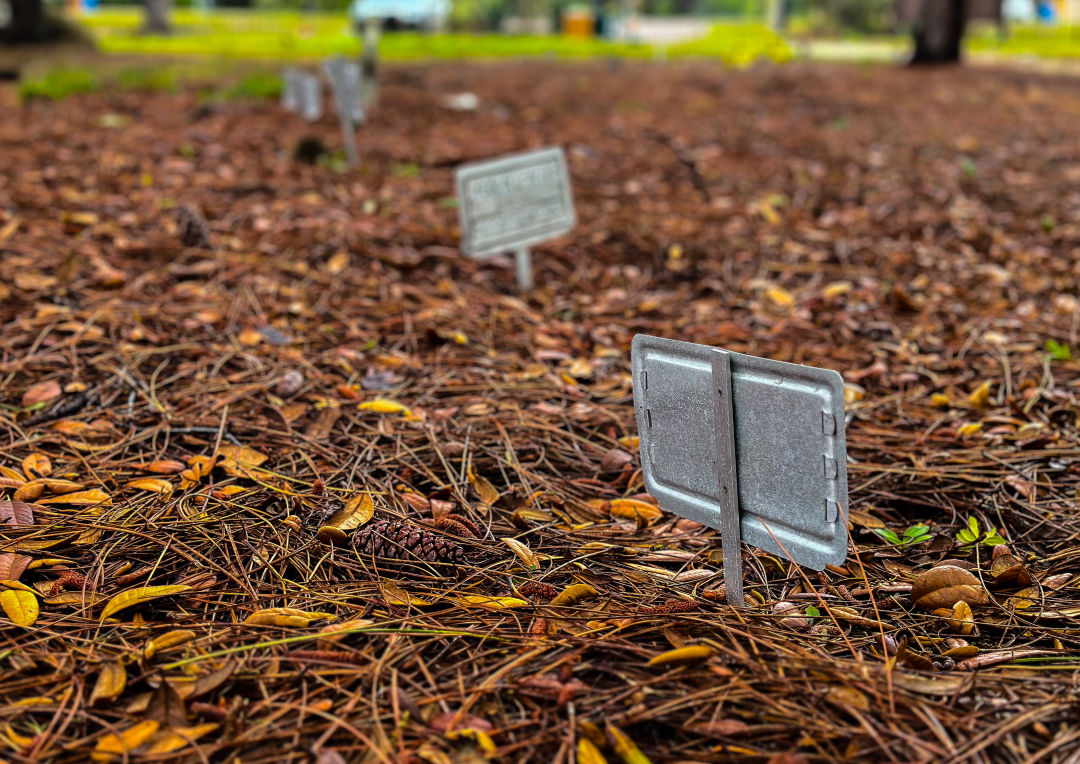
36 466
140 596
164 467
285 616
1007 569
31 491
12 565
21 607
588 753
42 392
167 640
682 655
624 747
499 603
483 487
528 559
945 585
962 620
110 684
89 498
847 698
573 594
357 511
153 485
176 738
385 406
633 509
113 746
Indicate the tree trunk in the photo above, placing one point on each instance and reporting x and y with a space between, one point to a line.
157 16
26 21
939 33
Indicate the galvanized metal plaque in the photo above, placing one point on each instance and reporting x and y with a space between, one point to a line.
344 78
728 436
290 89
513 202
310 91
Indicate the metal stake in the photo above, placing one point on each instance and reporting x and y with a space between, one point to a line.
370 60
523 265
728 478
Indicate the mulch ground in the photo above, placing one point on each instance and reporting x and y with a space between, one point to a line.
304 484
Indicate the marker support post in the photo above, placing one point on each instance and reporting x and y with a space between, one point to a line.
728 478
523 266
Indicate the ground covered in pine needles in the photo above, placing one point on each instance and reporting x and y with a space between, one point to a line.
284 478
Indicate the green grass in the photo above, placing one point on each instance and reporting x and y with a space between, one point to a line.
1028 40
59 83
286 35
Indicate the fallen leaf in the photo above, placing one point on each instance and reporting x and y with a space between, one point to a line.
164 467
574 594
626 749
528 559
385 406
154 485
483 487
980 396
285 616
114 746
177 738
499 603
357 511
167 640
17 513
36 466
682 655
847 697
1008 569
140 596
632 509
81 498
588 753
110 684
962 620
21 607
945 585
13 565
43 392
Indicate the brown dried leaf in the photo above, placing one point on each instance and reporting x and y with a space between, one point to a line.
36 466
110 683
17 513
89 498
42 392
13 565
945 585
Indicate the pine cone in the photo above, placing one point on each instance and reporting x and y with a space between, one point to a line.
192 229
396 540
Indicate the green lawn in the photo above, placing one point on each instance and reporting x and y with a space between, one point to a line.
1029 40
283 35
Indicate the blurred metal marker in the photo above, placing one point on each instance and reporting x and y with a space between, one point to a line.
750 446
344 76
511 203
290 89
310 92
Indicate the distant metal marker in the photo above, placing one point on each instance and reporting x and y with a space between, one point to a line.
752 447
310 92
511 203
344 76
290 89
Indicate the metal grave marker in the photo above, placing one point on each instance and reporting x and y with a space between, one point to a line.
750 446
310 90
290 89
512 203
344 76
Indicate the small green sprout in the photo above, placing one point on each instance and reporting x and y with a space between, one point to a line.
970 535
1059 351
916 534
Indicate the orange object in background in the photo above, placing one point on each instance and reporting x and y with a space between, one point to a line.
578 22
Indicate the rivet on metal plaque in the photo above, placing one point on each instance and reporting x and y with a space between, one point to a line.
782 449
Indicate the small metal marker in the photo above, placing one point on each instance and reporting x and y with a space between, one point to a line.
290 90
310 90
511 203
370 81
750 446
344 76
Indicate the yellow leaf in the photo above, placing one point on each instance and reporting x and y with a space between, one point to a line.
965 431
110 683
21 741
980 396
836 289
21 607
680 655
36 466
482 739
334 631
630 441
588 753
154 485
355 513
167 640
12 474
573 594
528 559
940 400
284 616
77 599
385 406
632 509
244 456
779 297
250 337
168 741
113 745
12 584
31 491
139 596
164 467
499 603
483 487
81 498
625 747
58 486
329 534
